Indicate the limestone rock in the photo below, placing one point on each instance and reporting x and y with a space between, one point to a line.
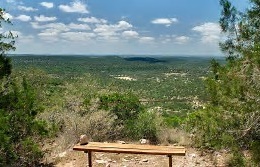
121 142
100 161
63 154
83 140
144 160
144 141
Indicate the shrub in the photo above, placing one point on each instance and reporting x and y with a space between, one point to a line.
236 160
19 128
255 147
99 126
131 115
124 106
145 126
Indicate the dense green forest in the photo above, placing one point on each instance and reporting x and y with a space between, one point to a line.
175 84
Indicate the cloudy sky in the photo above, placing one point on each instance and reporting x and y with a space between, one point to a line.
122 27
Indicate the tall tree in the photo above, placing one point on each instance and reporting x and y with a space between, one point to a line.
6 44
232 117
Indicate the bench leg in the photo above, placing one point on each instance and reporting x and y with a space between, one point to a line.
89 158
170 160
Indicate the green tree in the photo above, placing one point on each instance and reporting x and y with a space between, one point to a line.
232 117
124 106
19 130
136 121
6 44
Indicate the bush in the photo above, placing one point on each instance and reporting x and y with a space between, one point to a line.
98 125
124 106
131 116
19 128
236 160
255 148
145 126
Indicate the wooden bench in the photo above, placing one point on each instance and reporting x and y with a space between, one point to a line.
130 149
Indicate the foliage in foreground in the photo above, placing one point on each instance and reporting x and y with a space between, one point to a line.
18 127
232 118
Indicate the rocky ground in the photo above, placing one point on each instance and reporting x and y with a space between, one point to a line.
193 157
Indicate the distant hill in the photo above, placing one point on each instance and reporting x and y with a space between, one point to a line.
144 59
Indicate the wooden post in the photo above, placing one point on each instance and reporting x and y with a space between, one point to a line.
170 160
89 158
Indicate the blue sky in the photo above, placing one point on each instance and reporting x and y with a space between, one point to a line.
122 27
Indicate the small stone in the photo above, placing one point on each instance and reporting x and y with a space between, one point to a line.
144 141
193 155
145 160
83 140
121 142
107 165
63 154
125 160
101 161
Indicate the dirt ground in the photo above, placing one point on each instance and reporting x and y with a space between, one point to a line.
193 157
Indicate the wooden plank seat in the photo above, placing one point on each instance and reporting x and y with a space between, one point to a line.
130 149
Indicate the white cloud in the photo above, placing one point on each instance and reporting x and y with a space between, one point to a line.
79 26
93 20
7 16
27 9
182 39
49 32
165 21
113 29
49 35
47 4
53 32
77 36
74 7
210 32
52 26
130 34
105 31
146 39
43 18
108 38
24 18
122 25
59 27
46 34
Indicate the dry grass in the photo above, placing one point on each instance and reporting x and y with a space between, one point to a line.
168 136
